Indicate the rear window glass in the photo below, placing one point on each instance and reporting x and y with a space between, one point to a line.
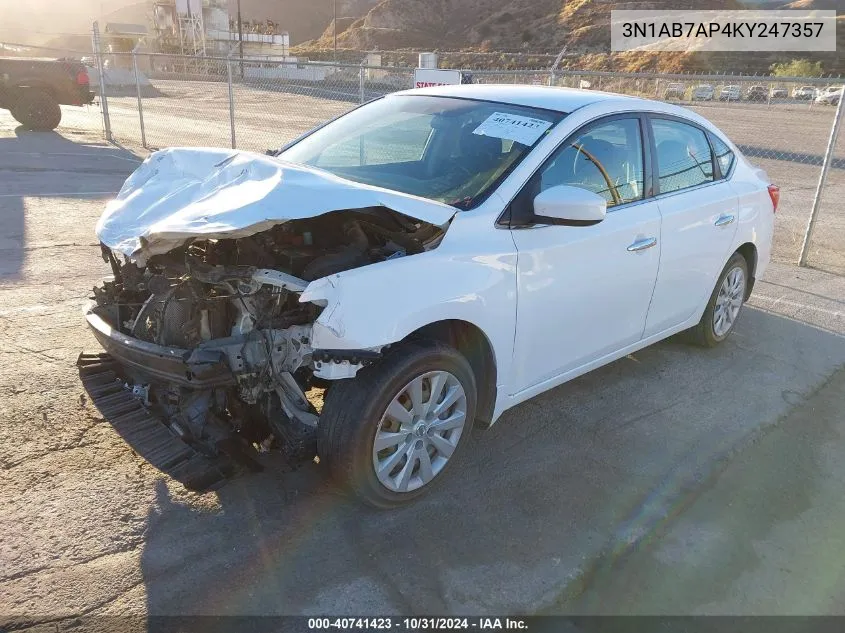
724 156
683 155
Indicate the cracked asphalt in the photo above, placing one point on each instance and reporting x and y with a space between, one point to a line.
676 480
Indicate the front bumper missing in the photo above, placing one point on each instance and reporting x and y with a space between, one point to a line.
148 436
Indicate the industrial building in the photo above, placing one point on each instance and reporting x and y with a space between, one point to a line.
203 27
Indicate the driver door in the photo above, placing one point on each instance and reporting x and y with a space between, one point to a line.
584 291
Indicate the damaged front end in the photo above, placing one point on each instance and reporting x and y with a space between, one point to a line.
211 337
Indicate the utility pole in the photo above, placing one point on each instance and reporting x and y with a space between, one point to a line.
240 39
334 23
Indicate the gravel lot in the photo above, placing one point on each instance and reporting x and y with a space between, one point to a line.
562 489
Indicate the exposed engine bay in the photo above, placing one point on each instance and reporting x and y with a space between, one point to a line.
212 338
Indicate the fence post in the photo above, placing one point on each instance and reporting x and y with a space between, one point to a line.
817 201
104 102
140 103
231 100
361 84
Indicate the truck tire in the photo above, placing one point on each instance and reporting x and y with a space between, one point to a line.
369 452
37 110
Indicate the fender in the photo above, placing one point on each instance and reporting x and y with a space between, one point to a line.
756 218
471 277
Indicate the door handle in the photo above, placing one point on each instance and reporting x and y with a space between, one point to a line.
724 220
643 244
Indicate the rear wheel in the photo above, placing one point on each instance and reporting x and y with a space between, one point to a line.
37 110
390 434
723 308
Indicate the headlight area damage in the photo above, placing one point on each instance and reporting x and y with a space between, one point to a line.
208 348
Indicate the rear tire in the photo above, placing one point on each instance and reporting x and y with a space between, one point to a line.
37 110
355 414
725 304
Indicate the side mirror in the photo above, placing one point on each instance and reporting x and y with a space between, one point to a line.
569 206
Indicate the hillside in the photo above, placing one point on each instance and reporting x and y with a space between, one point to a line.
546 26
496 25
524 26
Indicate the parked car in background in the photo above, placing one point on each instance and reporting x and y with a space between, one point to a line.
390 276
34 89
704 92
757 93
675 91
830 95
730 93
779 93
804 93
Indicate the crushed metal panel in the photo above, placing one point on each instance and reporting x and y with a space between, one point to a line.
183 193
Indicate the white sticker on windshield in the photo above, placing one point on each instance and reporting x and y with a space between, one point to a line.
522 129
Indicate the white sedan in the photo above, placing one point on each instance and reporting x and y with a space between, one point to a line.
830 95
429 260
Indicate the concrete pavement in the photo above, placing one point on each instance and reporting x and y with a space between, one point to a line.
615 475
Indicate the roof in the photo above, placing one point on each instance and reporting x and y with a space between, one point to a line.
549 98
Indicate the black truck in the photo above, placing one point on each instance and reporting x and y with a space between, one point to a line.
33 89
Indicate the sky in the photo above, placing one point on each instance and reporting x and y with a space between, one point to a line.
36 19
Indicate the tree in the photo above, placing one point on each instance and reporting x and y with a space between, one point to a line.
797 68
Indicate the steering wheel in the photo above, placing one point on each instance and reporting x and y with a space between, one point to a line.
611 185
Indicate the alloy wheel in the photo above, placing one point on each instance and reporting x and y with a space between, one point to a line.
419 431
729 301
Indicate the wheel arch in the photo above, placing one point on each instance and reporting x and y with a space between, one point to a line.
749 251
471 341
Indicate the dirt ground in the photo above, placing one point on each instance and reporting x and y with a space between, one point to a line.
547 510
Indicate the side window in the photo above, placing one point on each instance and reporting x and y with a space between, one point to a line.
606 159
724 156
683 155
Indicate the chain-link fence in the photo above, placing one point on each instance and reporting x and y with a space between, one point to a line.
825 247
782 124
253 104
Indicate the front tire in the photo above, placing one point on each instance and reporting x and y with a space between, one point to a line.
725 304
390 434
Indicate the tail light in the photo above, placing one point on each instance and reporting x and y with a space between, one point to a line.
82 78
774 194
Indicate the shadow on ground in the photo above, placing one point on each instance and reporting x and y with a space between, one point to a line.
24 159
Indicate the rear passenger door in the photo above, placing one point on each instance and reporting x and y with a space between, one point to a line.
699 220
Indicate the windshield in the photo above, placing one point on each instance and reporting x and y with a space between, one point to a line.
446 149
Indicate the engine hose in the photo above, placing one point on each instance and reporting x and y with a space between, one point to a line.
354 254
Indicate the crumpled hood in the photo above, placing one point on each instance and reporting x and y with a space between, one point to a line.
183 193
